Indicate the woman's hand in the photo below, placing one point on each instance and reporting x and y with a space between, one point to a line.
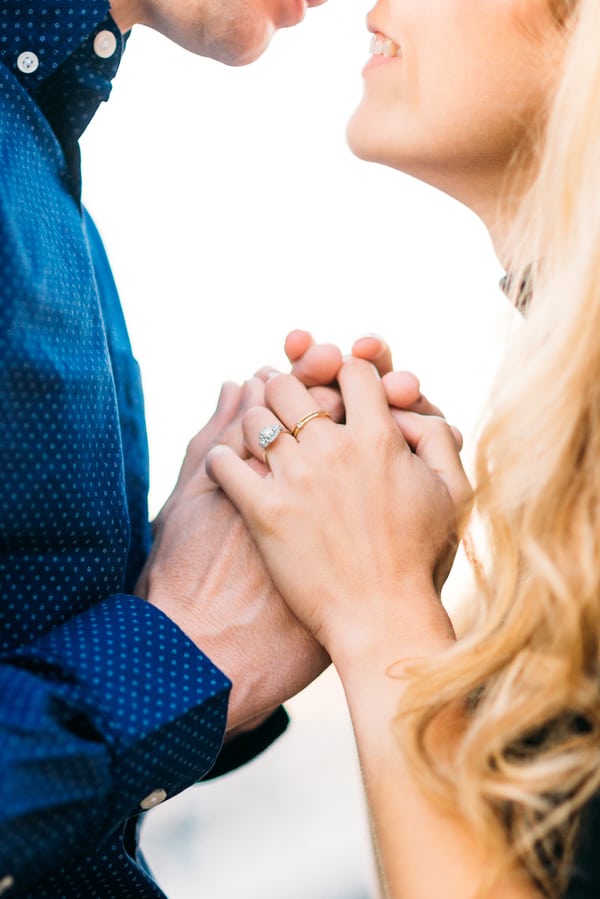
357 522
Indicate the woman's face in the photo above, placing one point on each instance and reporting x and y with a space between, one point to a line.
454 87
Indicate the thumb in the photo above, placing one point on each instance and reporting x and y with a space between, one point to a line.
244 486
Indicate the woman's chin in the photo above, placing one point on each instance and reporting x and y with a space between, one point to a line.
365 140
359 139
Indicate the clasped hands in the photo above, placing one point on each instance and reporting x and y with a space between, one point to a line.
349 519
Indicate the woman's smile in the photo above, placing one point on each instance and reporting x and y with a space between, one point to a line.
383 50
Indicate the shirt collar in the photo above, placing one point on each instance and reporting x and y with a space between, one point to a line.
65 55
37 37
70 97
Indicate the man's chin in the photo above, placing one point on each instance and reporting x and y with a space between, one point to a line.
246 58
244 52
282 14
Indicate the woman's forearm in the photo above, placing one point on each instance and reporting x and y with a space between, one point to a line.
423 851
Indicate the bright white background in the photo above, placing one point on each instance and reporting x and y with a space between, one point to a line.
232 212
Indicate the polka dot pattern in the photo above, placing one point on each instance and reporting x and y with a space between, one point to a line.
110 707
103 700
52 29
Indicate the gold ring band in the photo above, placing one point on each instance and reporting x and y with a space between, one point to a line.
316 413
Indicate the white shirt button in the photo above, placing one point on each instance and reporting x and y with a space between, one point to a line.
6 883
152 799
105 44
28 63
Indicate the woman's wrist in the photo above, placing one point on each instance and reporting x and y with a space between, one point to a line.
415 625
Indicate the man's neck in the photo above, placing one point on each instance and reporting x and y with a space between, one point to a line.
126 14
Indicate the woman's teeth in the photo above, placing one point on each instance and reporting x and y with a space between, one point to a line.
384 46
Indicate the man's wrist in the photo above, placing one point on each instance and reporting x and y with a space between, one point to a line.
218 643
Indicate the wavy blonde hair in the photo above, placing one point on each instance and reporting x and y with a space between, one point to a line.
528 669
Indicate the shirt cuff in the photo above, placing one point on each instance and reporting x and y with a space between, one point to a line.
160 705
247 746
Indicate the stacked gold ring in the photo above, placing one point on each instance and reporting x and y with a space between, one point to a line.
310 416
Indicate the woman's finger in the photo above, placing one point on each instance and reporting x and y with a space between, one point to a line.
244 487
458 437
403 391
374 349
325 396
363 395
432 440
252 394
267 438
291 402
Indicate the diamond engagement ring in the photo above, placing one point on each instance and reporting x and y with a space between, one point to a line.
268 435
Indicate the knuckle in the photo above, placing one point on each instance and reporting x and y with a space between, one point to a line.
195 446
276 385
385 438
439 426
249 417
300 476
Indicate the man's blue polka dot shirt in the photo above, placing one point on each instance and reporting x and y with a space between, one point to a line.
106 708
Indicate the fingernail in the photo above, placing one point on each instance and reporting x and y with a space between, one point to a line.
358 360
371 336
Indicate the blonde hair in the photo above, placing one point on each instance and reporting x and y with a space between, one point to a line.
528 669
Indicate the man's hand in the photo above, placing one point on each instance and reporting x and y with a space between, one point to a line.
205 573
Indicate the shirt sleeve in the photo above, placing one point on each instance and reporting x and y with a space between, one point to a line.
49 29
102 717
247 746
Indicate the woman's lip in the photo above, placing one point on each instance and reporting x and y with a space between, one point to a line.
375 62
383 50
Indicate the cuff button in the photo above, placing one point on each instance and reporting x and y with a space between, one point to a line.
152 799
